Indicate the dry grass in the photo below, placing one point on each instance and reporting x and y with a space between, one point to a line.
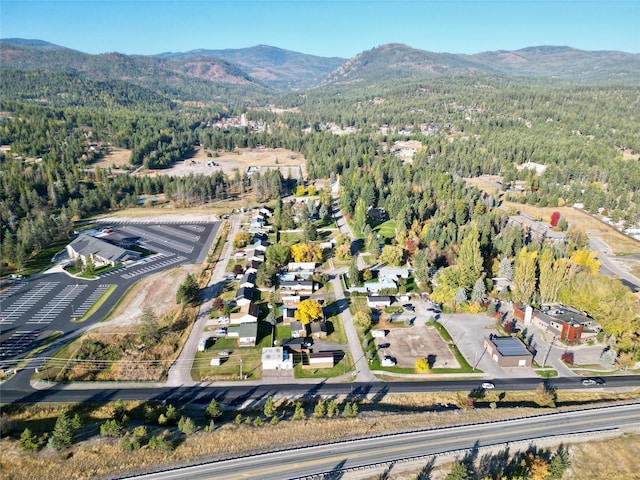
118 157
619 243
621 461
102 458
228 162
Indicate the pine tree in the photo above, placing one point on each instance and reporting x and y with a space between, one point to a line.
62 436
270 408
299 413
332 408
28 441
479 292
320 410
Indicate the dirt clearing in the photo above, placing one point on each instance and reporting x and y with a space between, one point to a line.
157 291
407 345
289 162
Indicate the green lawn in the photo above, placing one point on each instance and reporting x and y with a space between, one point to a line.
387 229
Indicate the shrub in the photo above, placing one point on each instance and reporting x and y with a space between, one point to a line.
299 413
186 426
160 442
111 428
28 441
213 409
238 419
258 422
320 410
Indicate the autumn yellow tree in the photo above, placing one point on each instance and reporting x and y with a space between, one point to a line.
362 320
586 259
537 466
422 365
242 239
308 311
306 252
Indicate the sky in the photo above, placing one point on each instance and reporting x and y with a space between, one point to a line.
328 28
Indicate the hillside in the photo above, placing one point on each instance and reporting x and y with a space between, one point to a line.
278 68
403 62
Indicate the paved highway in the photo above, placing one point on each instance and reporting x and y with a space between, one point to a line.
333 458
242 394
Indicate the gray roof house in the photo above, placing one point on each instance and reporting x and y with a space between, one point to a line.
99 251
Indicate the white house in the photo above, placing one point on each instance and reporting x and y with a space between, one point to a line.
376 287
377 301
276 358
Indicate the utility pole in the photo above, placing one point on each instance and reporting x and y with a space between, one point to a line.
240 368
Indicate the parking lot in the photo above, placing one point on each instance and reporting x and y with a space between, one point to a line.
31 309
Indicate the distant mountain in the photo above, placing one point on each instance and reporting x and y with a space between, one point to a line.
186 79
565 63
401 61
255 74
278 68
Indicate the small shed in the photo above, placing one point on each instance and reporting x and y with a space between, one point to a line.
321 360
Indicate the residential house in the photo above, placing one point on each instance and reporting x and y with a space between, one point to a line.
248 314
246 333
298 287
382 286
244 295
318 329
392 274
248 280
252 266
508 351
276 358
98 251
290 301
377 301
288 315
301 266
298 329
294 344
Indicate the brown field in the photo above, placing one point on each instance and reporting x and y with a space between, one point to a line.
228 162
117 157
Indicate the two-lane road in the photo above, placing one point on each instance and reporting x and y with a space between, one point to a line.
304 462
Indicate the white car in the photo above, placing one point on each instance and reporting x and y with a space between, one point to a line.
488 385
223 320
388 361
588 382
221 331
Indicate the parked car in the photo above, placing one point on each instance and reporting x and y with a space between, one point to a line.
488 385
223 320
384 345
224 353
221 331
409 307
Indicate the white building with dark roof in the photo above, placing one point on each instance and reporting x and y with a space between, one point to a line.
100 252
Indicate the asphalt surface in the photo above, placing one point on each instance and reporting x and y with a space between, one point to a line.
33 308
331 460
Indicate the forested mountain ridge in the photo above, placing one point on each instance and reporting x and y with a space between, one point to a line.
276 67
188 79
401 61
